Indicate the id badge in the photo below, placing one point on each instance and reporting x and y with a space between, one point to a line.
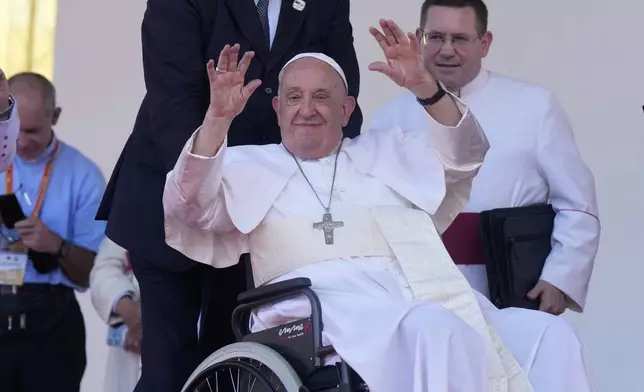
12 268
116 335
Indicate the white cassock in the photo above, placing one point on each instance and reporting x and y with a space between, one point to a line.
394 305
9 130
533 159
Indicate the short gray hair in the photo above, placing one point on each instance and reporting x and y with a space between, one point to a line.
36 80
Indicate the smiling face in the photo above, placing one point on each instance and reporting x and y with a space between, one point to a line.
453 47
312 107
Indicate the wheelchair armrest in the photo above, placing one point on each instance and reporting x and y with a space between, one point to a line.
256 298
273 291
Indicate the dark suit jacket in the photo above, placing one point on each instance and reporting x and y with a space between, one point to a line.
179 37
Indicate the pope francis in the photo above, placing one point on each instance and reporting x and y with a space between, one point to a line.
362 220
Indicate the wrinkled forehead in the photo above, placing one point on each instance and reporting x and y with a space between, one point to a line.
311 73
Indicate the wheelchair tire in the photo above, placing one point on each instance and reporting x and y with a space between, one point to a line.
254 351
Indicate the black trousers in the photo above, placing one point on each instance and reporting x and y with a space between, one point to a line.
171 301
53 361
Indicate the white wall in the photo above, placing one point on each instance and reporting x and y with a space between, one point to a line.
588 52
99 79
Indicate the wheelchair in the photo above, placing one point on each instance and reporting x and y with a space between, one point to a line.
288 357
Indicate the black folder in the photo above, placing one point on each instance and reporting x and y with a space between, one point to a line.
516 243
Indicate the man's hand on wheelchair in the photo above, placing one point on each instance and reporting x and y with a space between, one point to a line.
552 299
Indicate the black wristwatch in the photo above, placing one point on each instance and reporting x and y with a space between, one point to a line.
63 250
435 98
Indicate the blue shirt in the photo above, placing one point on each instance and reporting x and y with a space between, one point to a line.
69 207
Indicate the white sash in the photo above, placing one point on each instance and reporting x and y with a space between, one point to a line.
434 277
279 247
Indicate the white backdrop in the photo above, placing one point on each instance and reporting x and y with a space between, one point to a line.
585 50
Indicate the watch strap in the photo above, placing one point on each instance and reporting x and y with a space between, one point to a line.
62 251
433 99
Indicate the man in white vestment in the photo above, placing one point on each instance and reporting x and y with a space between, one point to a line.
533 158
362 220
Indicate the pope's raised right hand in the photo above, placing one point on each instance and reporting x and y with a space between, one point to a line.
228 95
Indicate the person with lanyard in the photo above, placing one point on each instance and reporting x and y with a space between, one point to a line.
9 124
48 253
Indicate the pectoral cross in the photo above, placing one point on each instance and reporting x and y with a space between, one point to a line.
327 226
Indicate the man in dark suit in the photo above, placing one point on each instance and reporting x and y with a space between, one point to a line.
179 37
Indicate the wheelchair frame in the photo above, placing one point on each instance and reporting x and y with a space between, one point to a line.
293 338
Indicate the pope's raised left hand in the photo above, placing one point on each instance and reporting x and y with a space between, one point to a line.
35 235
404 65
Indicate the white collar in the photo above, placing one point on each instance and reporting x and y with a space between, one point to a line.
329 155
476 84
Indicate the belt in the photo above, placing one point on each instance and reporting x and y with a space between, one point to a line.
32 288
463 240
31 308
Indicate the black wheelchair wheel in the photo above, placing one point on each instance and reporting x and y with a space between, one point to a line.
231 376
243 367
